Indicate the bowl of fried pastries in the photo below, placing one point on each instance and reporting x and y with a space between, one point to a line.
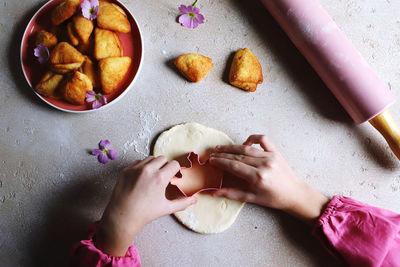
104 55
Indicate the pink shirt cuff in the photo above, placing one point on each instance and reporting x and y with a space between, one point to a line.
85 253
359 234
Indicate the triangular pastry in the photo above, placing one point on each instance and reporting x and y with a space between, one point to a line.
112 72
65 57
46 38
246 72
90 69
107 44
49 84
112 17
82 27
64 11
193 66
75 88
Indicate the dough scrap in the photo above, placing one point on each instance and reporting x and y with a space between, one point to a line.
209 215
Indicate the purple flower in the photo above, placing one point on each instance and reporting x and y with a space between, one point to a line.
191 17
97 100
104 153
90 8
42 53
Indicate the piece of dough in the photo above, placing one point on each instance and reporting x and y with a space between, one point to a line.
209 215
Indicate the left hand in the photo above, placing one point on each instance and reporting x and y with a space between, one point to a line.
138 199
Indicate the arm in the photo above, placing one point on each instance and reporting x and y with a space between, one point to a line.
358 234
138 198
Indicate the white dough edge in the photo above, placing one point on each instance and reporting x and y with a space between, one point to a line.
210 215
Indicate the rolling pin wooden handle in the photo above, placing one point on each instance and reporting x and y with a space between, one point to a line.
385 124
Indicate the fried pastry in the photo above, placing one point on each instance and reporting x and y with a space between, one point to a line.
112 72
88 47
246 72
47 39
82 27
49 84
112 17
73 38
64 11
65 58
90 69
106 44
75 88
193 66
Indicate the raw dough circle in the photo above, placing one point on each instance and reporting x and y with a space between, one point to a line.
209 215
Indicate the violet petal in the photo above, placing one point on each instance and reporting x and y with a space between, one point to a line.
199 18
96 152
183 9
103 158
185 20
96 104
112 154
104 144
103 100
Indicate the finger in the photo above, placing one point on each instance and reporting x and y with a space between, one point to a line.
181 204
252 161
159 162
138 163
241 150
237 168
235 194
261 140
170 170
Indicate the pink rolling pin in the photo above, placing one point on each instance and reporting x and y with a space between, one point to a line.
364 96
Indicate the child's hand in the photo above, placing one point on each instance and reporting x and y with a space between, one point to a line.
138 199
270 181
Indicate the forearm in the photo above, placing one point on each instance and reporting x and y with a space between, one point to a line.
309 205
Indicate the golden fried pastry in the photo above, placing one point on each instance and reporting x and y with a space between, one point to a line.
193 66
64 11
112 72
65 58
75 88
90 69
82 27
73 38
107 44
47 39
246 72
49 84
112 17
88 47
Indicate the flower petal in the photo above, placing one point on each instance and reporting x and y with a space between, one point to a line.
96 152
183 9
185 20
90 96
199 18
196 10
104 144
103 100
112 154
190 9
195 24
95 3
96 104
85 5
103 158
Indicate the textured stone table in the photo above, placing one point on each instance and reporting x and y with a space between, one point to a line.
51 189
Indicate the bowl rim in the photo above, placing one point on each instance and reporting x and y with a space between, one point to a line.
89 110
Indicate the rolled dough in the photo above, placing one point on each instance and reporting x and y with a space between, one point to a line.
209 215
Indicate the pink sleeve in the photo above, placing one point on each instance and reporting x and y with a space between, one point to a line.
85 253
359 234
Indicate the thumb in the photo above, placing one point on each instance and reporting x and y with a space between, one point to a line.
182 204
235 194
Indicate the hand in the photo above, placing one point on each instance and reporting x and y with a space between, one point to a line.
138 198
270 181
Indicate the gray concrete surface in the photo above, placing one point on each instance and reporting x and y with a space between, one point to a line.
51 189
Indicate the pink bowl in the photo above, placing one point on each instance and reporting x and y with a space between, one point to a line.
34 71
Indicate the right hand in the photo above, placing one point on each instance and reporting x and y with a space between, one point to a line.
269 180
